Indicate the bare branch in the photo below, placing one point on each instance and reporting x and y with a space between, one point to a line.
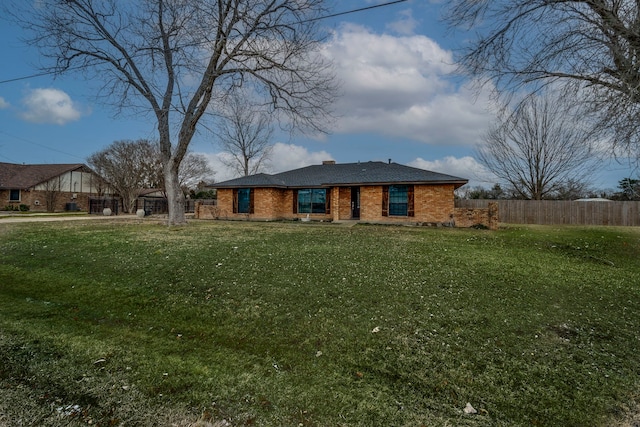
591 48
169 58
245 133
539 149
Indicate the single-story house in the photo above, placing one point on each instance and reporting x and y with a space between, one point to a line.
48 187
368 192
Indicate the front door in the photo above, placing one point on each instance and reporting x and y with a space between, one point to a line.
355 202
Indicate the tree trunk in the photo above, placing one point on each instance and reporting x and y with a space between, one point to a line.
175 197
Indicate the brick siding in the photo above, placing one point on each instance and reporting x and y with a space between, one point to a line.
36 200
471 217
432 204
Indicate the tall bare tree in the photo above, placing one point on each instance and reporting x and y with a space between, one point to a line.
168 58
129 167
538 149
245 132
591 48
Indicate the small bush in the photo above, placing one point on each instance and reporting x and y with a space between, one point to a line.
480 226
10 208
24 208
208 194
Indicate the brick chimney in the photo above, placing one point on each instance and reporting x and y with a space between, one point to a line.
328 162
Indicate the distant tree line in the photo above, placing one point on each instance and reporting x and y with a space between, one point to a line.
628 189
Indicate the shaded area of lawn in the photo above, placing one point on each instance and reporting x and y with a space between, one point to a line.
318 325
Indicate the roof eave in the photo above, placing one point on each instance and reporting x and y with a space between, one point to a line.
456 183
234 186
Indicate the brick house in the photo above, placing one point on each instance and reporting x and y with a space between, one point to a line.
54 187
368 192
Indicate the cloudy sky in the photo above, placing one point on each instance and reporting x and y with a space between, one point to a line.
400 101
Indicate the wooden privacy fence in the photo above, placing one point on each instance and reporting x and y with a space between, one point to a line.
550 212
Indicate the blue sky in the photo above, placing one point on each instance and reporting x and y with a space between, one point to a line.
400 102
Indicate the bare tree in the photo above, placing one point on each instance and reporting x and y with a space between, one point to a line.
245 133
51 189
194 169
538 149
129 167
170 57
132 166
590 48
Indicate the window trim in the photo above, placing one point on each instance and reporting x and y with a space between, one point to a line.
327 201
386 203
236 200
12 192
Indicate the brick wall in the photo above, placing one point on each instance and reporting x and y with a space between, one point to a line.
268 204
471 217
225 203
343 210
36 200
432 204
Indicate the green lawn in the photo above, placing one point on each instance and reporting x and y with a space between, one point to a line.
291 324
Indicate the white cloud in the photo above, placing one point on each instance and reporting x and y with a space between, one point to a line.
49 106
402 87
464 167
284 157
3 104
405 24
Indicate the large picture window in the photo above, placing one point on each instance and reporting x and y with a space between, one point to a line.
397 200
243 200
312 200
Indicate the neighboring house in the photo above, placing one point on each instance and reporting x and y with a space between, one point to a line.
48 187
368 192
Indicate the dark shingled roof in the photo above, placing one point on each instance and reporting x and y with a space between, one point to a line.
344 174
22 177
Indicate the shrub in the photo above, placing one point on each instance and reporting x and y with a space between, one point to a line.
24 208
208 194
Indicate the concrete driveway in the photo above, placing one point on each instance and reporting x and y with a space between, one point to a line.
13 218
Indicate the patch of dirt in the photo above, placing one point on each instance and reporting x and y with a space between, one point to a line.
630 416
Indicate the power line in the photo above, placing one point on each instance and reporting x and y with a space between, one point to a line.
362 9
348 12
32 76
39 145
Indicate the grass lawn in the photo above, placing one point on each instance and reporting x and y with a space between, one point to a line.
290 324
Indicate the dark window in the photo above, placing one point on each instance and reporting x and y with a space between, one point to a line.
397 200
312 200
14 196
243 201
